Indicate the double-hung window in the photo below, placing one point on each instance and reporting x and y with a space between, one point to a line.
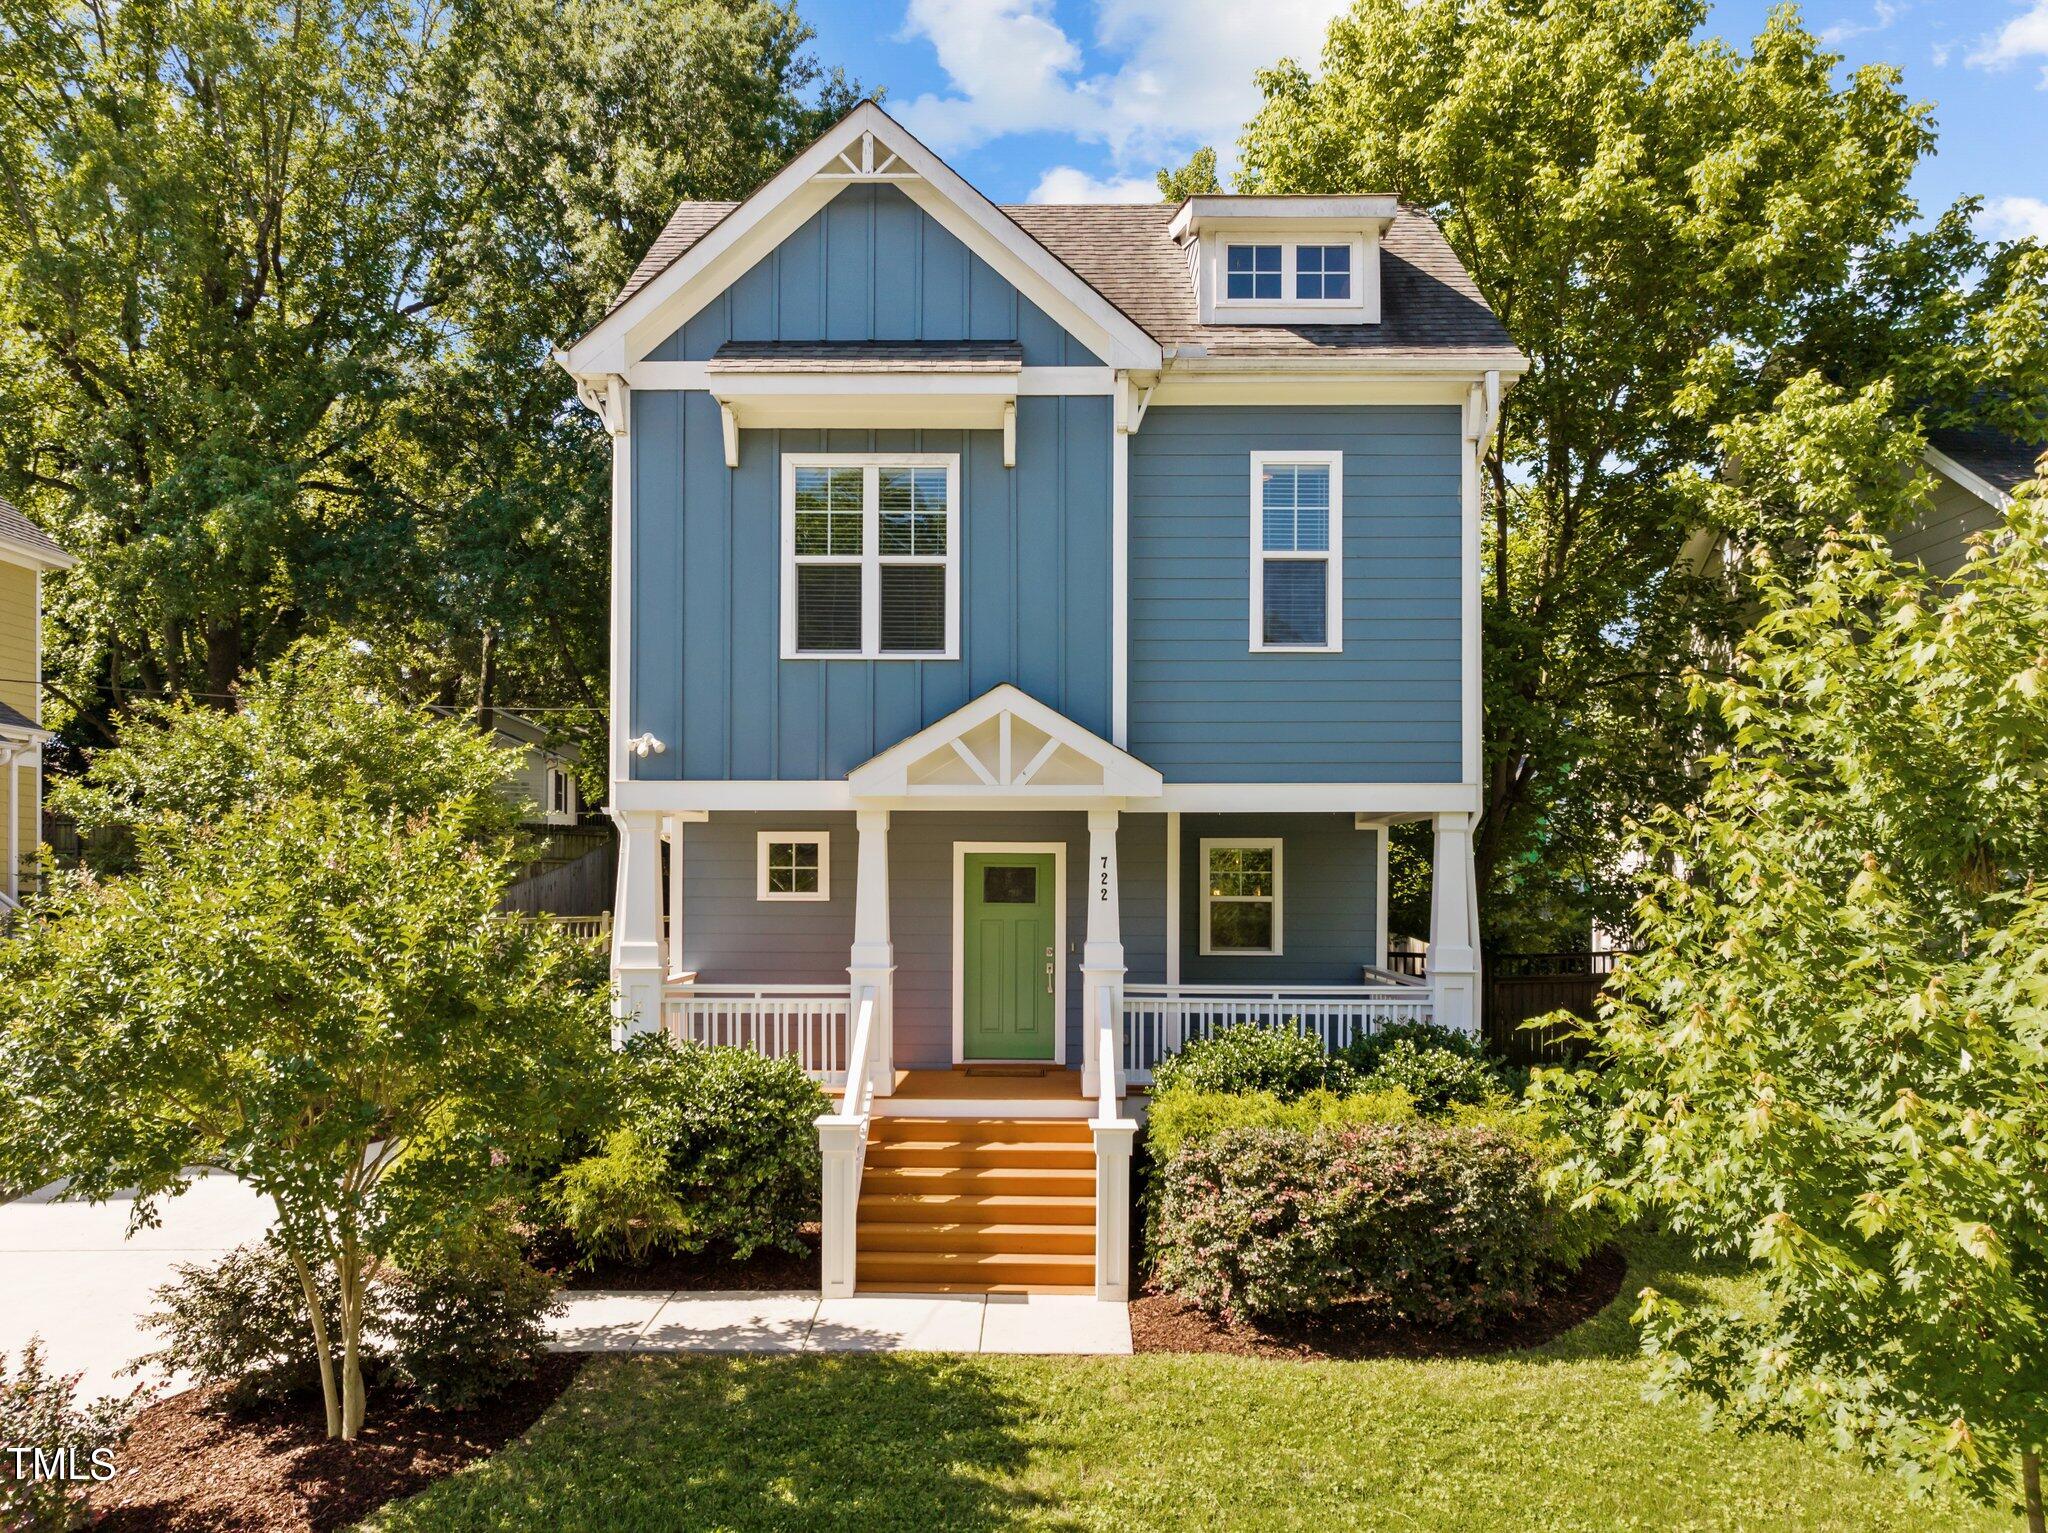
1297 538
870 556
1241 896
1285 274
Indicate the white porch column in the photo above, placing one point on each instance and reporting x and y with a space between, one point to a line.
1102 956
636 927
873 960
1454 926
672 931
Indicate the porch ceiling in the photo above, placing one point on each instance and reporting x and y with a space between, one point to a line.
1005 745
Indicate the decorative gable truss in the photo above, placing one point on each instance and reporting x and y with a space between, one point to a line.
867 160
1005 744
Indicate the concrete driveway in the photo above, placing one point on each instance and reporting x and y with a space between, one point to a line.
69 1274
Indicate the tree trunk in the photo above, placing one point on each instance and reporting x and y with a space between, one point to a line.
354 1404
487 680
2030 1481
223 661
323 1347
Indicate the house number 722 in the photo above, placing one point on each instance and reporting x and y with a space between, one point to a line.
1102 893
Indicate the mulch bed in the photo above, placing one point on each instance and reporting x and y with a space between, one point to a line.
194 1465
763 1271
1162 1323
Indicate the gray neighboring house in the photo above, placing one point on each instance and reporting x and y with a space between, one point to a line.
1976 471
545 783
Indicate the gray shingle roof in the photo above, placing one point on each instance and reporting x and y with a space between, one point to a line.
868 357
1428 304
2001 461
23 533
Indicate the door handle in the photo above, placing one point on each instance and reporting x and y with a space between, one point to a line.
1048 971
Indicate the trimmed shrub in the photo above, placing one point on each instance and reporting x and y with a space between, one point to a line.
1437 1066
1183 1113
40 1412
243 1322
1248 1058
1422 1222
467 1319
718 1147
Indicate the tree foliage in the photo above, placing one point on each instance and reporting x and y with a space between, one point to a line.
1674 230
305 985
278 283
1193 179
1832 1057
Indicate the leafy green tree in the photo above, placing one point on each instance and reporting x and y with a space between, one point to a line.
1192 179
1673 230
1832 1056
278 281
303 983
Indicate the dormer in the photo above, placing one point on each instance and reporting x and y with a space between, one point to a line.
1285 260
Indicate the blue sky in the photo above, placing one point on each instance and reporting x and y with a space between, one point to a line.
1069 100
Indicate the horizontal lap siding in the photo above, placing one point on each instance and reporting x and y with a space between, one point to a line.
1941 539
732 937
1329 892
1204 708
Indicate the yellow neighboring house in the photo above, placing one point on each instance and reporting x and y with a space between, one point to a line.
26 551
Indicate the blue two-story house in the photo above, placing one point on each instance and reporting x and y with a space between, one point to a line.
1026 623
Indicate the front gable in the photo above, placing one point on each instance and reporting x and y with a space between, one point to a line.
871 265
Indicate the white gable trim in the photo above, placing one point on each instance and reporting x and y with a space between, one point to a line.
1962 478
1005 744
806 184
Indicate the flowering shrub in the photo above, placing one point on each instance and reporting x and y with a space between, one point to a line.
1251 1058
1440 1225
468 1318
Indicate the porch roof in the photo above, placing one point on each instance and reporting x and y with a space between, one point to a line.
1005 744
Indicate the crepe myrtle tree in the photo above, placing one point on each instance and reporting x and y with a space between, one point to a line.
303 982
1830 1057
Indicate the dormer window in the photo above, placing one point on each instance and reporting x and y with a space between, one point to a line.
1322 272
1254 273
1285 260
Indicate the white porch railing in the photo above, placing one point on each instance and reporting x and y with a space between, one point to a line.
1113 1134
1161 1020
843 1148
807 1021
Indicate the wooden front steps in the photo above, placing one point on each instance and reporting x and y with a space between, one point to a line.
976 1205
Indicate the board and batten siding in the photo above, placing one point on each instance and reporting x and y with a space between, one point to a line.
873 266
707 674
1203 707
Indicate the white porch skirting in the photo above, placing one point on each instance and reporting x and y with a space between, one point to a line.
1161 1020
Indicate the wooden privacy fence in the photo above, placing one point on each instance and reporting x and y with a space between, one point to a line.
1523 986
579 888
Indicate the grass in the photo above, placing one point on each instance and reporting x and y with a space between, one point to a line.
1550 1440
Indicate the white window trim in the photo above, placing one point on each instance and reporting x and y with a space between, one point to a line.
1289 244
1333 584
559 776
870 559
1247 843
822 840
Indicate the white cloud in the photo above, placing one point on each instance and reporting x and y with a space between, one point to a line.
2015 218
1181 72
2025 36
1882 15
1064 183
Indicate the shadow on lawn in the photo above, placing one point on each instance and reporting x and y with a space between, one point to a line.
926 1442
1654 1261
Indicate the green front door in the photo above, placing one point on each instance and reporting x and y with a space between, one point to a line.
1008 957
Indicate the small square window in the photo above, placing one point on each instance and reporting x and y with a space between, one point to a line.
1322 272
793 865
1252 272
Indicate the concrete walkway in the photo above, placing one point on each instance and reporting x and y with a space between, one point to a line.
620 1320
70 1274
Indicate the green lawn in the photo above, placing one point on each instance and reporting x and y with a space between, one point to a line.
1557 1439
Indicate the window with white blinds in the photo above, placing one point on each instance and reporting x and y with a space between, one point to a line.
871 556
1297 535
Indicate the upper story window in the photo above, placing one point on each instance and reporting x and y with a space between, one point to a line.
1287 274
1252 273
870 556
1322 272
1297 537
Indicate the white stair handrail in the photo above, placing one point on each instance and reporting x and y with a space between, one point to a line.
842 1148
1113 1134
